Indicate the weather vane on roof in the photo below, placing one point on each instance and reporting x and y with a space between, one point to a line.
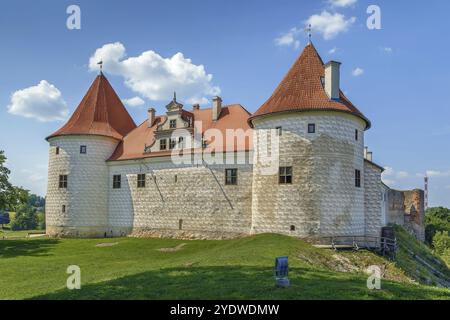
309 31
100 63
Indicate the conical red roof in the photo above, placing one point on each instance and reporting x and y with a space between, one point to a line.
302 90
100 113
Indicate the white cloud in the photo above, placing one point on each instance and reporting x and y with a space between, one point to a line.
42 102
289 38
342 3
437 174
330 25
358 72
155 77
402 174
390 175
387 49
134 102
333 50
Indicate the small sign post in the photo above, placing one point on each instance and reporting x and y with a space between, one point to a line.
282 272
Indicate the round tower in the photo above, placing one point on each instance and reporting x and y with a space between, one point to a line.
78 176
312 138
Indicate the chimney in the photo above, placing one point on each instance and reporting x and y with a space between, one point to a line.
196 107
216 108
151 117
368 155
332 80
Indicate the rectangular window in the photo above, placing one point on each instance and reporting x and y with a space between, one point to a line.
117 181
57 150
358 178
356 134
172 144
279 131
83 149
63 181
173 124
141 180
63 209
285 175
181 142
231 177
162 144
312 128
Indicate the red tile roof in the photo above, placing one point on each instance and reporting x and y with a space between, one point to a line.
231 117
100 113
302 90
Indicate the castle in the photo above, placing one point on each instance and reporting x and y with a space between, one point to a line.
298 166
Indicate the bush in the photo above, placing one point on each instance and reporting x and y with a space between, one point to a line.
436 219
26 219
41 220
441 242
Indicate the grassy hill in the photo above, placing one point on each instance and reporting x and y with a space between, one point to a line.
419 262
174 269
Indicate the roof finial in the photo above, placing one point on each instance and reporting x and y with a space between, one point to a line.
174 96
101 66
309 31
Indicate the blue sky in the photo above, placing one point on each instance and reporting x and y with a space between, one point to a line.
398 76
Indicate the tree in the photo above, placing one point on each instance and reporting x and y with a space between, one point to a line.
441 244
4 218
5 186
26 218
436 219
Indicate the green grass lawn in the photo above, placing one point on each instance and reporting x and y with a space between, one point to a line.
234 269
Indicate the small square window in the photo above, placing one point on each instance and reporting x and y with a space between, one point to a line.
292 228
162 144
172 144
279 131
173 124
83 149
117 181
358 178
231 177
57 150
63 181
356 134
312 128
141 180
285 175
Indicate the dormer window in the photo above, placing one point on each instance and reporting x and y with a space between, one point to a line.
173 124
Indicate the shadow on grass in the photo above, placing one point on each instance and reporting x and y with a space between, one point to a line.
240 282
17 248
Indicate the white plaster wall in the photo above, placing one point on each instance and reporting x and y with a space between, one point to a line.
198 196
323 199
87 193
373 200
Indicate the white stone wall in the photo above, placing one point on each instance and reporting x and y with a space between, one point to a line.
373 200
323 199
87 193
197 195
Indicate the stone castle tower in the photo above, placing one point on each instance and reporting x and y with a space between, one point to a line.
79 151
321 144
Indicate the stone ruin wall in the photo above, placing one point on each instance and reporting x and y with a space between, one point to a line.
406 208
